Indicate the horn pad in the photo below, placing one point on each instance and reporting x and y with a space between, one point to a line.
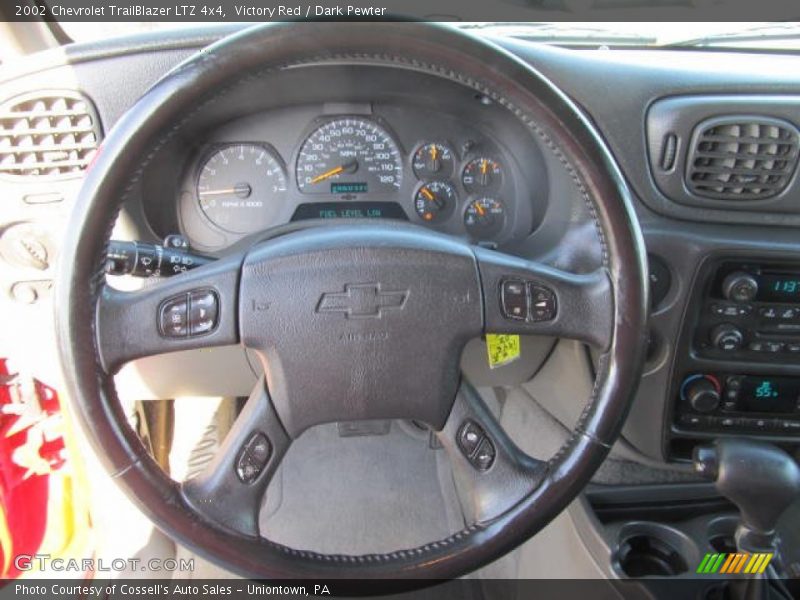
360 322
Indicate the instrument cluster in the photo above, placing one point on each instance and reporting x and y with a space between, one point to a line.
351 166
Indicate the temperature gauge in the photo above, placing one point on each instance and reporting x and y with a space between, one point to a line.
433 160
484 218
482 175
434 201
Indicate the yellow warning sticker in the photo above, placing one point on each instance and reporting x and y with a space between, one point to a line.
502 349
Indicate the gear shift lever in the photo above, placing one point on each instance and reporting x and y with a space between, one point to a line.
762 481
759 478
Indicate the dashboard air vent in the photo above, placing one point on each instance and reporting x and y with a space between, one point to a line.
741 158
47 134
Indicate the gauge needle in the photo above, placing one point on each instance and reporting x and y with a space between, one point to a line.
351 166
480 209
427 193
240 189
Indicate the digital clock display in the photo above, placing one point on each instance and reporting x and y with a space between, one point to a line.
779 288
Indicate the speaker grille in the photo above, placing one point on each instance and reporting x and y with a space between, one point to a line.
741 158
51 134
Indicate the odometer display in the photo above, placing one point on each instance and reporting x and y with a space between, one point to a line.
346 151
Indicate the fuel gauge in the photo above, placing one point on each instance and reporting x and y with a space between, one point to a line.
484 218
435 201
433 160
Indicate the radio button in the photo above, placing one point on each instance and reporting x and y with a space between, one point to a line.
788 313
733 383
790 425
727 337
756 347
769 312
740 287
694 421
743 310
730 310
793 347
773 346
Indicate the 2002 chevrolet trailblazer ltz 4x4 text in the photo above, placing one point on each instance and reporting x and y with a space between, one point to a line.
484 309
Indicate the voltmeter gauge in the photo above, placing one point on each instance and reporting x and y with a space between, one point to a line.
482 175
484 218
435 201
432 161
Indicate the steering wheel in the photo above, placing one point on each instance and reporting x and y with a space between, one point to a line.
354 320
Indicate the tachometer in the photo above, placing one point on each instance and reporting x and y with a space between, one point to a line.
239 187
349 156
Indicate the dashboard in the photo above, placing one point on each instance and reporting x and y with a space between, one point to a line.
369 142
459 167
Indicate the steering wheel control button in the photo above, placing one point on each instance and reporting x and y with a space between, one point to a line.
514 299
173 317
527 301
203 312
469 438
543 303
484 457
476 446
253 457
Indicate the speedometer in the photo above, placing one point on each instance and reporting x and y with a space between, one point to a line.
349 156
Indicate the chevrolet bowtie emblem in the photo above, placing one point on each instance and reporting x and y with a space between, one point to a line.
362 301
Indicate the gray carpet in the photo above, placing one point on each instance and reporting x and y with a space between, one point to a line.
363 494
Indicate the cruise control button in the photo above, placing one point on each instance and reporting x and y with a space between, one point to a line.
543 303
469 437
203 311
514 300
173 317
253 457
484 458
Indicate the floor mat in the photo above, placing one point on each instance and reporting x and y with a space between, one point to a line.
362 494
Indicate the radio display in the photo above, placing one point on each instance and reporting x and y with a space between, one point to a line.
779 288
769 394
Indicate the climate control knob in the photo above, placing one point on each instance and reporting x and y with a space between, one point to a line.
727 337
702 393
740 287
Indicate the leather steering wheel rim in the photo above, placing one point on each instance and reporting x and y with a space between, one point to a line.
444 52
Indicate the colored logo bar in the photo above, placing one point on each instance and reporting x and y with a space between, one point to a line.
734 563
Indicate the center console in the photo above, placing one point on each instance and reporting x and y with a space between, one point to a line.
737 367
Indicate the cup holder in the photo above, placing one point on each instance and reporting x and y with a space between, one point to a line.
722 534
653 550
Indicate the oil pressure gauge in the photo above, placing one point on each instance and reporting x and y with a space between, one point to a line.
435 201
432 161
